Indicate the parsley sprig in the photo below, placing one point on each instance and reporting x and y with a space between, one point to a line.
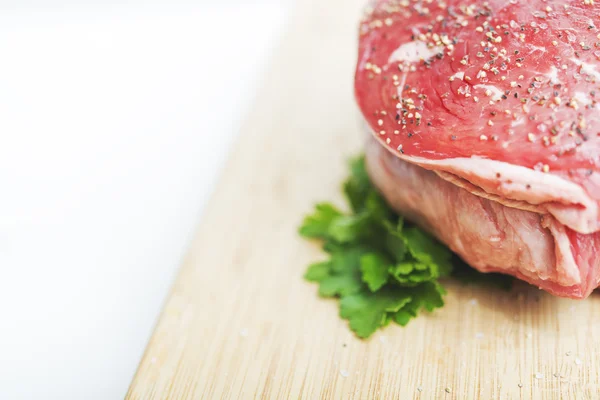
381 267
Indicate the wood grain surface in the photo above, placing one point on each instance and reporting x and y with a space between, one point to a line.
240 323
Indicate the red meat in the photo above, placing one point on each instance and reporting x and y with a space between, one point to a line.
498 99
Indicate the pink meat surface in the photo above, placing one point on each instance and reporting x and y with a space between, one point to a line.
488 235
498 99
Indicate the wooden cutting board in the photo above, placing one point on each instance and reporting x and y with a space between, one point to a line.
240 322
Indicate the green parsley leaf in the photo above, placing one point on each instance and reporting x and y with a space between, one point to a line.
347 257
413 273
341 284
395 243
349 228
317 225
318 271
377 207
344 275
427 250
367 311
426 296
358 185
374 268
380 267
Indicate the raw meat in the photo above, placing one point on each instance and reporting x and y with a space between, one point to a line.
498 99
488 235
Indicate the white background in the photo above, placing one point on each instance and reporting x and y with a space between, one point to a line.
114 121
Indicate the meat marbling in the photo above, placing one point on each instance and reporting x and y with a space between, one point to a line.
489 116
